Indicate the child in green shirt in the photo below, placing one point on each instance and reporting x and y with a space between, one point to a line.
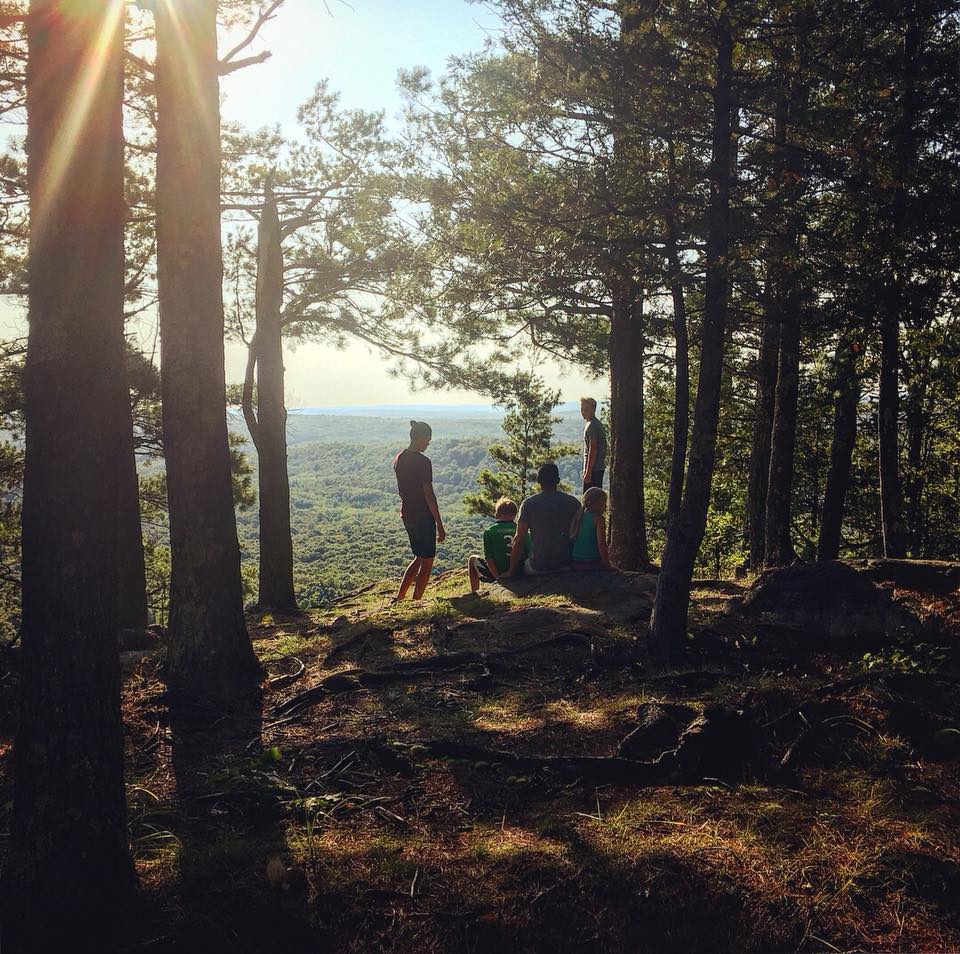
497 544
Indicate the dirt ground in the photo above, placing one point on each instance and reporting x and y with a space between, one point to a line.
444 777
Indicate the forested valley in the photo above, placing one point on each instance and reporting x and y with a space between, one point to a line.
224 727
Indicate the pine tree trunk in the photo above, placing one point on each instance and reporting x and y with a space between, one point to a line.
778 546
917 430
762 430
769 363
132 582
888 412
628 528
846 399
668 623
209 655
785 288
276 545
895 533
681 386
68 857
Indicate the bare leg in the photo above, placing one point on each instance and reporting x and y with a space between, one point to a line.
410 574
423 576
473 574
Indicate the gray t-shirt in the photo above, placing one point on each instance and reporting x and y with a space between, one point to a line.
549 515
593 430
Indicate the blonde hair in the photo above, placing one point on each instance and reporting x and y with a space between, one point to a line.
593 500
590 403
505 509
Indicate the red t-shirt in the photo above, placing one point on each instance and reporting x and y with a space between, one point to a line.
413 471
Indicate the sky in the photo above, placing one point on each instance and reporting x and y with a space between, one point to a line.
360 46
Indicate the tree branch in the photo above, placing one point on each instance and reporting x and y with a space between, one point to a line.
264 17
145 65
227 68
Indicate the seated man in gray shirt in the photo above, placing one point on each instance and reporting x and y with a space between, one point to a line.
547 515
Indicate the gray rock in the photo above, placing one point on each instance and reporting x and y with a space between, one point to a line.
925 576
140 639
622 595
831 599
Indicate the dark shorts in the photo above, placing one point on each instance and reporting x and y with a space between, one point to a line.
595 480
587 565
423 536
483 571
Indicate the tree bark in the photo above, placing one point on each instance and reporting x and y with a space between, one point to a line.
918 425
68 851
628 527
786 290
131 567
778 547
894 530
762 430
681 380
270 437
668 623
845 401
209 655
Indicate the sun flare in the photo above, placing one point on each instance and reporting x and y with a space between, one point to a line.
74 114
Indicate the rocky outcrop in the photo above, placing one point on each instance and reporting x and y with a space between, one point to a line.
625 596
829 599
936 577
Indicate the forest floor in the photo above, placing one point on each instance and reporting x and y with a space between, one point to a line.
445 777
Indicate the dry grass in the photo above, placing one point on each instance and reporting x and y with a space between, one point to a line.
317 832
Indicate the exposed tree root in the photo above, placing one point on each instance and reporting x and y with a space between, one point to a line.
352 679
805 743
358 639
598 769
278 682
352 596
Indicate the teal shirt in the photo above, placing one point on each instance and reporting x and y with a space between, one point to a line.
585 547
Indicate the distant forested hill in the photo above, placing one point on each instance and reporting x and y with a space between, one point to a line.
305 427
344 506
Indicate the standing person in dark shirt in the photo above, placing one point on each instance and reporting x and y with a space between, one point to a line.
594 445
418 509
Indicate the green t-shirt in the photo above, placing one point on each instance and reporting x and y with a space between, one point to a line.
498 542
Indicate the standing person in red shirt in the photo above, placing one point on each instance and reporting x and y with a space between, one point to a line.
419 510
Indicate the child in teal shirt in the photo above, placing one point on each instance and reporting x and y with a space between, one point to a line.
589 533
497 544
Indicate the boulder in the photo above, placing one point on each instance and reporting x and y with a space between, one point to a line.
141 639
935 577
658 729
831 599
623 595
